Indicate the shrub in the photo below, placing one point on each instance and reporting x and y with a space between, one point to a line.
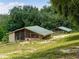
1 35
5 39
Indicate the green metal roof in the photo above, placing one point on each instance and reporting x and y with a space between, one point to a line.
39 30
65 29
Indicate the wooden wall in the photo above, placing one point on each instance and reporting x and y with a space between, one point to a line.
19 35
26 34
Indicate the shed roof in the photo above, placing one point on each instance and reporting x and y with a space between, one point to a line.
65 28
39 30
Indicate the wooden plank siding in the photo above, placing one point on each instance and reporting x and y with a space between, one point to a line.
31 35
19 35
25 34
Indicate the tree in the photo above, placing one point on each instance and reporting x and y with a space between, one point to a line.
31 16
69 9
23 16
16 20
66 7
53 18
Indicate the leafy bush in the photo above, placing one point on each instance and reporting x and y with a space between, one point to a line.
5 39
1 34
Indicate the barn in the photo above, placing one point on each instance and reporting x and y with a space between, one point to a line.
29 33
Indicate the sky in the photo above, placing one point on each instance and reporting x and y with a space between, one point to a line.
6 5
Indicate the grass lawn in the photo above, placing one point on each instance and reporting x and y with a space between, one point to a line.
5 48
48 51
39 49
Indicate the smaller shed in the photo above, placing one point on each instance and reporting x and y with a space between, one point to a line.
31 32
65 29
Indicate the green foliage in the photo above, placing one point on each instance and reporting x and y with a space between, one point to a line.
3 28
1 34
5 38
13 25
54 19
66 7
69 9
47 17
26 16
16 19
